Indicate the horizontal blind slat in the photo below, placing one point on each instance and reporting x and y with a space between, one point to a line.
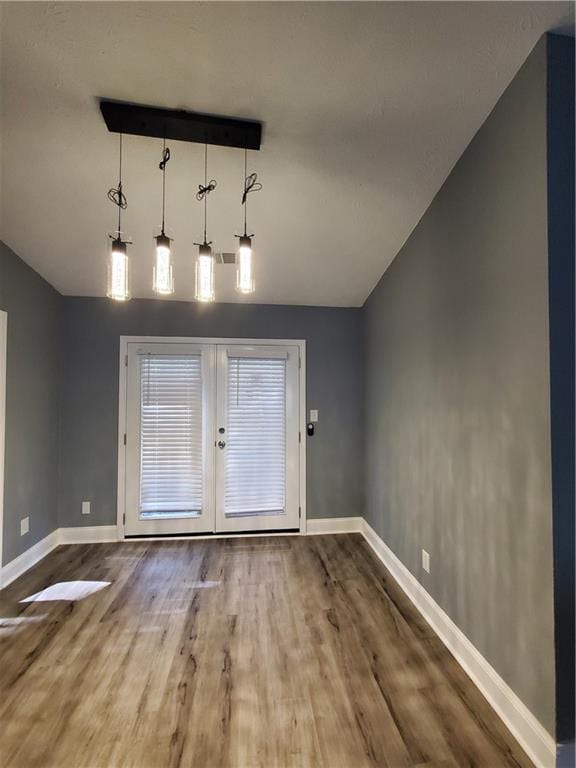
171 465
255 459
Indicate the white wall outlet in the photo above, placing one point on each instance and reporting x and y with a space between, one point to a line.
425 561
314 415
24 526
85 507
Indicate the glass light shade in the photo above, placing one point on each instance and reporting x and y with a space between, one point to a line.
163 277
118 268
245 267
205 274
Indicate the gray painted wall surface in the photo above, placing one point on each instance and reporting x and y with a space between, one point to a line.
457 388
561 248
92 328
32 394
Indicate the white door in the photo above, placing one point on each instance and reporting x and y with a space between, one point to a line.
258 438
170 438
212 438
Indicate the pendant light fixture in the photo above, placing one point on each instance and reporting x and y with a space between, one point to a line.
118 265
205 260
163 275
245 259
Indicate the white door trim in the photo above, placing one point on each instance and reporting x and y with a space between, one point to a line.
3 370
122 407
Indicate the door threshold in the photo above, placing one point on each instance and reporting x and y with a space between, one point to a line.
207 535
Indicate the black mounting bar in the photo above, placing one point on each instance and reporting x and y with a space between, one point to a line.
179 125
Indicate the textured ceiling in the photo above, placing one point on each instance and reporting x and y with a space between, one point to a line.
366 107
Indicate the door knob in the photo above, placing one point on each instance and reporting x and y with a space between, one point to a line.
221 444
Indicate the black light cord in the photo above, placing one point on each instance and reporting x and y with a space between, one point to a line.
162 165
115 194
204 191
165 157
251 184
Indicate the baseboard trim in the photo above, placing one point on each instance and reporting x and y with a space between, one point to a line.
88 534
15 568
333 525
83 535
95 534
538 744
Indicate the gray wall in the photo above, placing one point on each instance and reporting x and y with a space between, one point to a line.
561 206
457 396
89 431
32 392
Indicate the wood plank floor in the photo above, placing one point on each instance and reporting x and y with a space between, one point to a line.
287 652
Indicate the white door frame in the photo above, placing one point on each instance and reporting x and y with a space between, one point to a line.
122 411
3 370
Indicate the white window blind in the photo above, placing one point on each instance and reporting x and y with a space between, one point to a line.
171 435
255 455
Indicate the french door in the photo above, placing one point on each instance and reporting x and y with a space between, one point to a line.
212 437
257 442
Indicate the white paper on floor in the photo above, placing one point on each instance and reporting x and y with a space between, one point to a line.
67 590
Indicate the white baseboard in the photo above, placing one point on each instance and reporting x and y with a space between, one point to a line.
83 535
93 534
539 745
533 737
88 534
334 525
26 560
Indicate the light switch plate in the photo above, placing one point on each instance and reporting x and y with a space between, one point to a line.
314 415
425 561
24 526
85 507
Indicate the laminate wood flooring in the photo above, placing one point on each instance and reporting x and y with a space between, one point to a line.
276 652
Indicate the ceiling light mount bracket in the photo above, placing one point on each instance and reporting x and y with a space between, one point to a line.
180 125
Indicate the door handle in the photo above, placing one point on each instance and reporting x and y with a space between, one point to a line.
221 444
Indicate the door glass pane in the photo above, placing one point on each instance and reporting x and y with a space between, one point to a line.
171 436
255 454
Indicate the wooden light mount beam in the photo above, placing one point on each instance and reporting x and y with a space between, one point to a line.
179 125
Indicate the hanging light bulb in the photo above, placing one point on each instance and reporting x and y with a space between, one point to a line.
205 273
245 259
163 274
118 264
245 266
118 288
205 260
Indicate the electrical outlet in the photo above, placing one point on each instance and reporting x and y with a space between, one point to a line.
425 561
85 507
314 415
24 526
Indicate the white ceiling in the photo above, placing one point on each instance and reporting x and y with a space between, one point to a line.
366 107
